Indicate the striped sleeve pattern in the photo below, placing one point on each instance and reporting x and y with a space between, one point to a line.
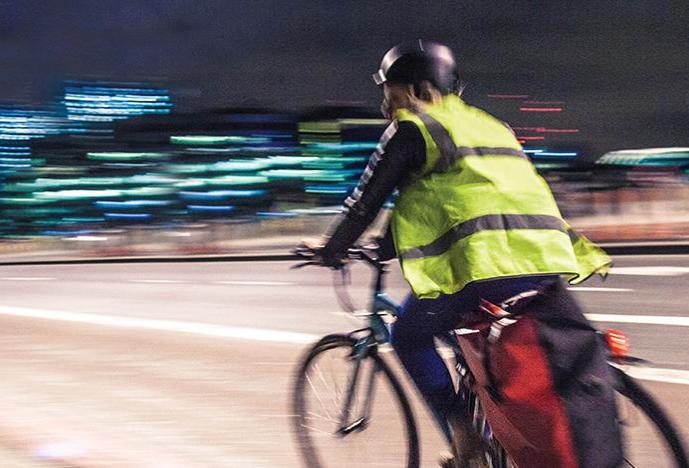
370 167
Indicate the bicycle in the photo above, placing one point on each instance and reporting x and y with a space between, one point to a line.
358 371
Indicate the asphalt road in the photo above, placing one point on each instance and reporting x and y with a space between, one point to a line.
188 365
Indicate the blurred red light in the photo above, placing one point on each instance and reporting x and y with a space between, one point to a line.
508 96
540 109
547 130
558 130
617 342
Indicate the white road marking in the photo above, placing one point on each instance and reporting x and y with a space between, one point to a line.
650 271
672 320
255 283
157 281
658 375
257 334
26 278
206 329
593 289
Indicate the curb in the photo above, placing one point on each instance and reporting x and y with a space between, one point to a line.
268 257
667 248
646 248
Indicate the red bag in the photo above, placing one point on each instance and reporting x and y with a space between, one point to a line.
516 391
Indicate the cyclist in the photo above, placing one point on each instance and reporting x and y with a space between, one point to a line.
472 219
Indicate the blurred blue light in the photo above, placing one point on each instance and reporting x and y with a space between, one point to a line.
14 160
327 189
365 146
211 209
221 194
130 204
276 214
80 232
553 153
133 216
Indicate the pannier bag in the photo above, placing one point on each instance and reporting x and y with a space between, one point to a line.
545 384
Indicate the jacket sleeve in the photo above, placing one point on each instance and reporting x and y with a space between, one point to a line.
401 151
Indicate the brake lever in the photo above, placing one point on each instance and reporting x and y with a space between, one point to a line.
303 264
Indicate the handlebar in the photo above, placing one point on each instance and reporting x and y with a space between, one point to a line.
342 277
367 254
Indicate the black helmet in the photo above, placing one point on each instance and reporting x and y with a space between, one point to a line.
417 61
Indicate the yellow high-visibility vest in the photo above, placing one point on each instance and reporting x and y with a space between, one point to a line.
478 209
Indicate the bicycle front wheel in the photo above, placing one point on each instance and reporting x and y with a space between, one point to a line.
350 411
648 435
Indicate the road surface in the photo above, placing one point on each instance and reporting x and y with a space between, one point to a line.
189 364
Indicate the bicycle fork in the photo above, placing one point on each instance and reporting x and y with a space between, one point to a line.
359 354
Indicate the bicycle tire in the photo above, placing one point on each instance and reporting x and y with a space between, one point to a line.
632 390
301 428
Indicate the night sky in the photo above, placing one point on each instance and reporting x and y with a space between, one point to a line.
621 68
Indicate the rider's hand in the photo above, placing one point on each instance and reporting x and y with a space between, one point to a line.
317 253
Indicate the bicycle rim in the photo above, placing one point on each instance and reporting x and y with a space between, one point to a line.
648 435
386 438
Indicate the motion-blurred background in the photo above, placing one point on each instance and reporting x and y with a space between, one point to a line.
138 128
233 129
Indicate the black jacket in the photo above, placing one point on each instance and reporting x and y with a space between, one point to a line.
401 151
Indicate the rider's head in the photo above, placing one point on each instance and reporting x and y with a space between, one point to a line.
414 73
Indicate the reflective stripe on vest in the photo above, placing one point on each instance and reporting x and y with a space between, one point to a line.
485 223
450 153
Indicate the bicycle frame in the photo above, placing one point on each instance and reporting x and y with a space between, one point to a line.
375 334
378 333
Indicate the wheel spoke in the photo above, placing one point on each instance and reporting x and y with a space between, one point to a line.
320 395
311 415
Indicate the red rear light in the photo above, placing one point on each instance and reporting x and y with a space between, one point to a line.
617 343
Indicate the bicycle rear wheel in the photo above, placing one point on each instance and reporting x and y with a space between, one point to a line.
648 435
494 454
379 430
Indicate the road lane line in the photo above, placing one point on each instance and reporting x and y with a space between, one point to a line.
594 289
27 278
658 375
206 329
650 271
255 283
671 320
157 281
256 334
